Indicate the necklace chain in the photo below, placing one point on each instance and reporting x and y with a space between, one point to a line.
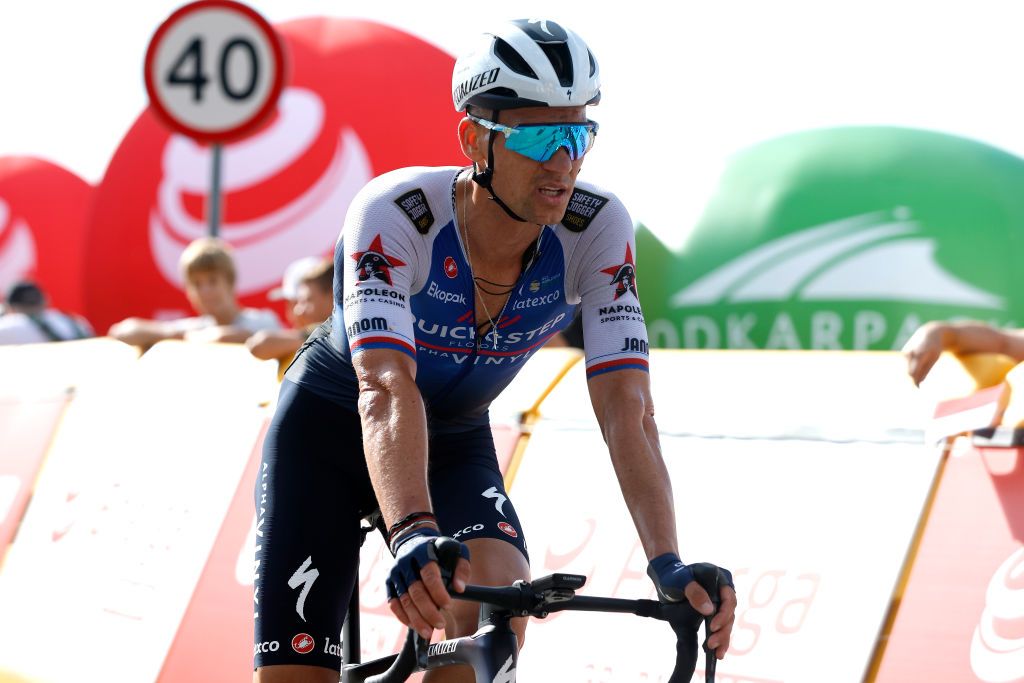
476 280
469 259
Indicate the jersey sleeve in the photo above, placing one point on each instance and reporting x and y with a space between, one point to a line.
614 332
378 260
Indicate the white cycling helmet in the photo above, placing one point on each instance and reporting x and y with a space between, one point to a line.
527 63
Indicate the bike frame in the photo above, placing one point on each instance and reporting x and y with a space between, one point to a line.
492 652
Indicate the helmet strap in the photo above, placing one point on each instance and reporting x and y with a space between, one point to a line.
485 178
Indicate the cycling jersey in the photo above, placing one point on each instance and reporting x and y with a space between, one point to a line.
403 282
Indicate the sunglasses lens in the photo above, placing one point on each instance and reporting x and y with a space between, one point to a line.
541 142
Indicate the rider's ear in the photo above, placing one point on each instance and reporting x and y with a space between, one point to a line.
472 142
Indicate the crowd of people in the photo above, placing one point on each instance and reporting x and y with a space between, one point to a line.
209 272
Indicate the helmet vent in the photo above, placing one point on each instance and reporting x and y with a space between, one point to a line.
593 64
561 60
512 59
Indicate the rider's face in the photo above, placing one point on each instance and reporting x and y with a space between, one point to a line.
538 191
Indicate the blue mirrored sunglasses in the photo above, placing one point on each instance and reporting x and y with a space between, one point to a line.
540 141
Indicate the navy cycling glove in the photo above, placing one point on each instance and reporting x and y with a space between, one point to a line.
414 551
670 577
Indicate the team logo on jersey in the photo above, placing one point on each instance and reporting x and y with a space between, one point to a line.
415 206
508 529
374 263
623 275
451 268
303 643
582 209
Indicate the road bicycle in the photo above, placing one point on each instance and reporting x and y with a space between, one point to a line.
492 650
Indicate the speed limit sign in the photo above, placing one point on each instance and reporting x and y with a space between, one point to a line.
214 70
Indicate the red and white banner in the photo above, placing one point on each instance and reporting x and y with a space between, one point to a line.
43 211
961 617
214 640
137 484
352 109
26 428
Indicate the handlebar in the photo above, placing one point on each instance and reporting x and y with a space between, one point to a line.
556 593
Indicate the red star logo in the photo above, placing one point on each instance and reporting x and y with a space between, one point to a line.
623 275
374 263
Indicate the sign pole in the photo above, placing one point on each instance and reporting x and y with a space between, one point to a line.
214 71
214 200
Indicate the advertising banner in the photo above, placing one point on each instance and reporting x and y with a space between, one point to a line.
961 617
138 481
26 428
815 565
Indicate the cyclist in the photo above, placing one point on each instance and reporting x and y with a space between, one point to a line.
447 281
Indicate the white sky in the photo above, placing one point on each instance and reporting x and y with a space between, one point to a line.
685 85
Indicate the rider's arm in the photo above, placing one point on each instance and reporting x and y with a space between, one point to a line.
622 403
615 342
382 261
394 431
931 339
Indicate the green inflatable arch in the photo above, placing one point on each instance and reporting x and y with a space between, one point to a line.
844 238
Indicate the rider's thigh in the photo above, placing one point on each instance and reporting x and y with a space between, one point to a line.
294 673
494 563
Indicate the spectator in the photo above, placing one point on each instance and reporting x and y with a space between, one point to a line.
931 339
209 273
307 288
27 320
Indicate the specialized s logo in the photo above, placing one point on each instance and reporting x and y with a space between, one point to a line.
499 499
623 275
374 263
303 576
507 674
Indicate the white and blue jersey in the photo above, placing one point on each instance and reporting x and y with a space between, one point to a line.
403 282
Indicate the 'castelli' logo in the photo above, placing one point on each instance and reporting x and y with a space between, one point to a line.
451 269
303 643
17 248
508 529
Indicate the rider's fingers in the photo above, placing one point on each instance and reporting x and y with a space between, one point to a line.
396 608
699 599
461 576
412 610
726 610
719 640
434 592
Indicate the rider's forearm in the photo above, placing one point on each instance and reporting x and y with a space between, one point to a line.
973 337
395 443
632 438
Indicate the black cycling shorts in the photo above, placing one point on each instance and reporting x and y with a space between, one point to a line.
311 492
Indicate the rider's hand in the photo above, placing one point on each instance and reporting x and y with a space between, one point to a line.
923 349
675 581
415 588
